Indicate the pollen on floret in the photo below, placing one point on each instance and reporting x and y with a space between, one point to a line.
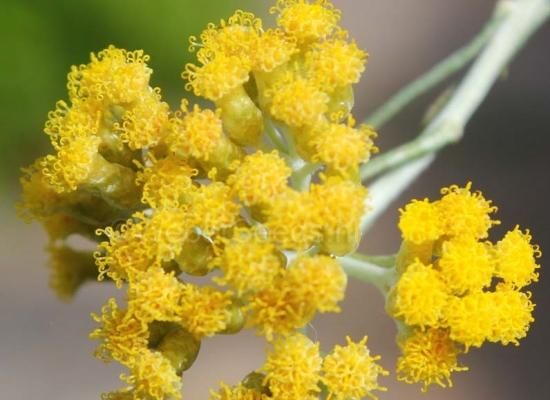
307 21
154 295
419 296
516 258
238 392
291 221
68 122
153 377
466 213
428 357
319 280
146 123
513 314
122 336
165 232
339 205
279 309
297 102
466 265
236 36
259 178
123 253
421 221
471 318
273 49
72 164
167 182
196 133
114 76
335 63
342 147
217 78
213 208
249 262
350 372
292 368
204 311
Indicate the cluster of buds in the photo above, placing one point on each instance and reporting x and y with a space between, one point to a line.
455 289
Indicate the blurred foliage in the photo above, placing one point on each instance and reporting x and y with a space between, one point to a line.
42 39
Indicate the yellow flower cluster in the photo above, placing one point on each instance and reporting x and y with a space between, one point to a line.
295 369
455 289
214 191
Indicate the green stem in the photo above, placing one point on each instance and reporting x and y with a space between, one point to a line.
274 136
359 268
408 161
437 74
301 178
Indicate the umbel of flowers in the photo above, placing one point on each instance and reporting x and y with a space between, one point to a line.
260 192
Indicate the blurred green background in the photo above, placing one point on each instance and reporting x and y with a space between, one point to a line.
42 39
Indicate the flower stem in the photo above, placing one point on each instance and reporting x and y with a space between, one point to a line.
437 74
357 266
409 160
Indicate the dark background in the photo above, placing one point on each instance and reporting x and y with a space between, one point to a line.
44 350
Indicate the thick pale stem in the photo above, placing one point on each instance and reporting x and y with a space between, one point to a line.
516 21
411 159
360 268
441 71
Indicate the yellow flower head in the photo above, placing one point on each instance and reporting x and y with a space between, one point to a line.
428 357
421 221
419 296
167 182
319 280
165 233
292 221
68 122
72 164
248 260
238 392
213 208
154 295
471 318
516 258
114 76
273 49
204 311
122 253
297 102
238 36
466 265
39 199
122 336
335 63
259 178
339 205
513 313
218 78
342 147
197 133
292 368
146 123
307 21
153 377
350 372
465 213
